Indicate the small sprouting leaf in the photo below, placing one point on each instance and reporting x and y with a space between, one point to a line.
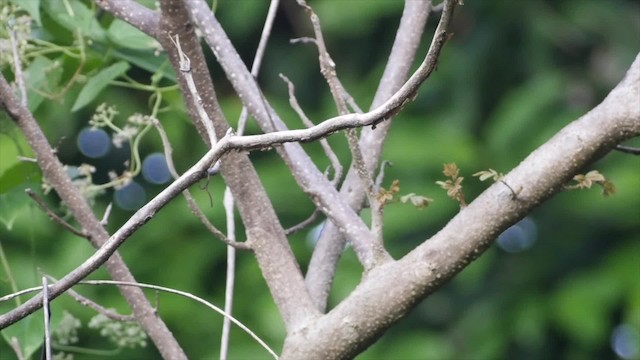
418 201
454 185
386 196
97 83
608 188
488 174
585 181
451 170
395 186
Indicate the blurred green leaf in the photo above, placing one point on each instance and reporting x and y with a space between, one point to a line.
42 76
77 16
147 61
97 83
125 35
522 111
13 203
19 173
582 307
30 6
29 333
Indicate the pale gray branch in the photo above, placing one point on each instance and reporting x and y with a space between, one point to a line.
57 176
146 20
310 179
394 288
331 242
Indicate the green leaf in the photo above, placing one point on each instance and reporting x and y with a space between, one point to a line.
98 82
32 7
29 332
147 61
17 174
125 35
77 16
13 203
42 76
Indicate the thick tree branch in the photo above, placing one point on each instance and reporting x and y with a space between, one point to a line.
310 179
392 290
264 231
199 171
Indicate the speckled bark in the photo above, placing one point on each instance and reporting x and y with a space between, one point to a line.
266 235
392 290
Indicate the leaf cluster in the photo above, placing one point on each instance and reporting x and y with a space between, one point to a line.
454 184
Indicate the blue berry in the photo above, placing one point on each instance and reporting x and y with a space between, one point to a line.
130 197
94 143
155 169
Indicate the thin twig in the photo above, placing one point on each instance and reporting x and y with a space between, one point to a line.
628 149
230 276
257 59
328 70
191 202
185 69
331 155
53 216
47 319
82 300
380 176
228 196
15 345
304 223
105 217
157 288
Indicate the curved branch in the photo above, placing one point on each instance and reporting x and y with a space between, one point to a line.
306 174
145 19
57 176
393 290
331 242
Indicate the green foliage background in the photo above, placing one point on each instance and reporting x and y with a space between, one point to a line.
513 75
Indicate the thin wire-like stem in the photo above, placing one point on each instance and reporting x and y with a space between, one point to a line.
191 202
47 319
304 223
257 60
163 289
53 216
15 346
628 149
82 300
331 155
230 277
228 196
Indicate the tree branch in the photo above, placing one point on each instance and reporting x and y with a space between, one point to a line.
264 232
392 290
330 245
145 19
55 173
310 179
